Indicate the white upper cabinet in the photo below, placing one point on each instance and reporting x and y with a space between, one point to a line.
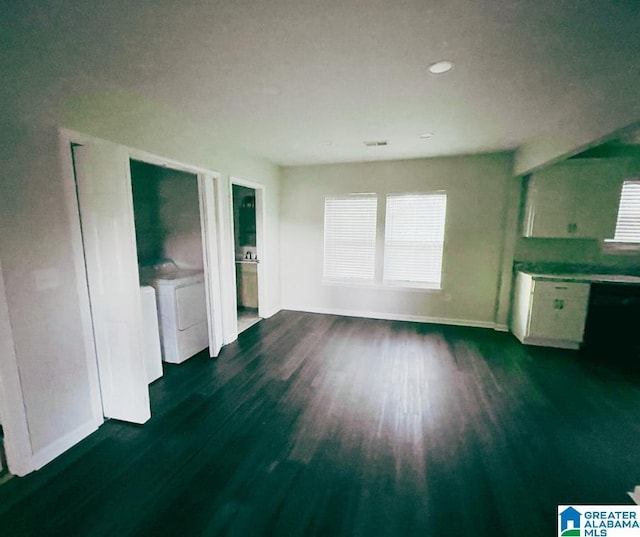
574 199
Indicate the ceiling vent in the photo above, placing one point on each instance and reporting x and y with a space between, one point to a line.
376 143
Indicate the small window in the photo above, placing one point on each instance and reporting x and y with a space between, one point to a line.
414 239
350 237
628 222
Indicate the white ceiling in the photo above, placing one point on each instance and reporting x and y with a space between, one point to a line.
302 82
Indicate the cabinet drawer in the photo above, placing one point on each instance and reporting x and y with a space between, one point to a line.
561 290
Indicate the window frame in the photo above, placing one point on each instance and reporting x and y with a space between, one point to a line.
614 245
410 283
333 278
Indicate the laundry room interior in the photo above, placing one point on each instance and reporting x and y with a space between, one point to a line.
170 260
167 215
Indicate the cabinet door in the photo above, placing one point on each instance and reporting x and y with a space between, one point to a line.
597 196
521 309
575 199
559 310
550 204
250 285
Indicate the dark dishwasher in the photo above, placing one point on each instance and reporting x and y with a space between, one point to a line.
612 331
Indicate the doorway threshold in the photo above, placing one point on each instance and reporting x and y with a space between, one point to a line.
247 317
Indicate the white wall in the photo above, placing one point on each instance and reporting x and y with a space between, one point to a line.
42 292
45 287
180 216
477 188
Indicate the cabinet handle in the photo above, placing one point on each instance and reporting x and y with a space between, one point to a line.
561 287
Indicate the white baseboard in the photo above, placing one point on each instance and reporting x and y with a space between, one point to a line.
500 327
394 317
271 312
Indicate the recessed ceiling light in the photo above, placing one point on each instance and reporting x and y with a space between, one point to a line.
441 67
426 135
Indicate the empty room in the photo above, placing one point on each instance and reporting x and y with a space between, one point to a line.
353 268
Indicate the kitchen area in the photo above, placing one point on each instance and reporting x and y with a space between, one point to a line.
577 257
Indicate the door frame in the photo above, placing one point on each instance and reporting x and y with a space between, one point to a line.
261 193
208 193
210 225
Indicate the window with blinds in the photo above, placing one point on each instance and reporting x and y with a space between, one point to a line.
350 237
628 223
414 239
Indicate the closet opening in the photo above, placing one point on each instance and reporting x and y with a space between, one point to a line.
166 207
149 243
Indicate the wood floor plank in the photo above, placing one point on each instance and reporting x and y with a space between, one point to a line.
317 425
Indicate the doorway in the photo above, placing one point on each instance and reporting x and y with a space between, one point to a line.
247 249
170 263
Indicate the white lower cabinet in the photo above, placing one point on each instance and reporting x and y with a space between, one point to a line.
549 313
247 284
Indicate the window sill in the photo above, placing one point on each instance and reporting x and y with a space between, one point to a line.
384 286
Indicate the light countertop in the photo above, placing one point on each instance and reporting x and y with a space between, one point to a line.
586 278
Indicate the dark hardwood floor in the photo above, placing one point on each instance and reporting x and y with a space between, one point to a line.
323 425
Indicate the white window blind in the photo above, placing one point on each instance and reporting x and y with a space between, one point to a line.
350 237
628 223
414 239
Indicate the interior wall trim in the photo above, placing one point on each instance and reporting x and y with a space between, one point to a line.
271 312
394 316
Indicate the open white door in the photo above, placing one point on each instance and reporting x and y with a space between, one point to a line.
206 187
108 233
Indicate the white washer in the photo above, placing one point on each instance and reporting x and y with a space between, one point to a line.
182 312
